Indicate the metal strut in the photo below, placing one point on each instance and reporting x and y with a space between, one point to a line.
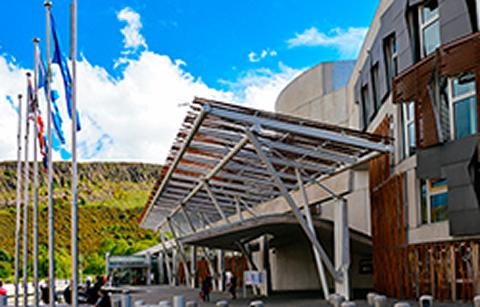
288 198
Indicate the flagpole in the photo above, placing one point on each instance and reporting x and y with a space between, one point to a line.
26 201
51 242
35 174
73 56
18 208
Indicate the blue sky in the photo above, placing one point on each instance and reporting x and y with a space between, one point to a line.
140 59
213 37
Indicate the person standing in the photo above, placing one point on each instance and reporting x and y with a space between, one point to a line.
3 291
206 288
233 286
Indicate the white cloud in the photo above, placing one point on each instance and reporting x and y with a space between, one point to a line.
348 42
136 115
255 58
132 39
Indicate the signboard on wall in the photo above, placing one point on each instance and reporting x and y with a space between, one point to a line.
254 278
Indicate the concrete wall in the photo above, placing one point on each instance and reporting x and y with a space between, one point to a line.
319 93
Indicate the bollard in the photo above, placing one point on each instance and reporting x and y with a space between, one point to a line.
348 304
191 304
371 298
126 299
256 304
380 301
425 301
164 304
178 301
476 301
402 304
336 300
222 304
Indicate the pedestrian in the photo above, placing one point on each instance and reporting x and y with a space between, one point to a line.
45 293
104 299
233 286
206 288
3 291
92 292
67 294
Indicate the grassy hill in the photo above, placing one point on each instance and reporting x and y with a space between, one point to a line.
111 197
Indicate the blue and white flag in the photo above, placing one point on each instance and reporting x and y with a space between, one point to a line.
59 59
56 117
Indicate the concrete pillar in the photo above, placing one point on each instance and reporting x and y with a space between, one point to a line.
178 301
222 304
380 301
148 260
342 248
476 301
371 298
221 270
264 248
336 300
425 301
193 266
174 268
161 271
126 299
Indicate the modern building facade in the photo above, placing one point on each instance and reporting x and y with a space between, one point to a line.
415 80
414 213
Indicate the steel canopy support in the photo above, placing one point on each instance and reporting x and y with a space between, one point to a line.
189 220
342 248
288 198
167 260
304 130
308 215
239 210
215 202
181 249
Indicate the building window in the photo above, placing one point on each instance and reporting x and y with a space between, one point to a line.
391 66
377 100
366 106
463 106
434 200
429 27
408 116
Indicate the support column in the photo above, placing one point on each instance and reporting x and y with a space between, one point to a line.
308 215
342 248
148 260
167 260
266 265
181 249
193 264
221 270
161 271
288 198
211 268
174 268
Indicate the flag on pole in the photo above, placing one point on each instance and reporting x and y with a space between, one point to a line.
61 61
56 117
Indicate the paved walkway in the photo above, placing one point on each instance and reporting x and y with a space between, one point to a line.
155 294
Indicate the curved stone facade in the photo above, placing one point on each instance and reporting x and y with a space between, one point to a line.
319 93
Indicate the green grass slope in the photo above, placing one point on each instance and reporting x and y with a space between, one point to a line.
111 197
